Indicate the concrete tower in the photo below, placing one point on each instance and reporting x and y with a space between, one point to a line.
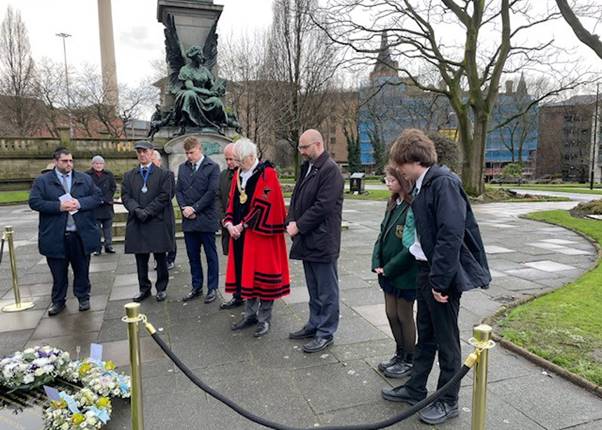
107 52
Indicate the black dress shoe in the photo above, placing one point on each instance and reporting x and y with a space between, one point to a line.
399 370
141 296
109 250
244 323
97 253
393 360
438 412
304 333
233 303
262 328
84 305
318 344
192 294
211 296
161 295
55 310
399 394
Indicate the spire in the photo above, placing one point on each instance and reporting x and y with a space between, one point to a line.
385 65
521 89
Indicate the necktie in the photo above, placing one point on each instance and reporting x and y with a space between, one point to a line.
415 192
70 220
144 171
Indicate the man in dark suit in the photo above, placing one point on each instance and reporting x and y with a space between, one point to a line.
67 233
195 192
223 197
451 259
104 213
146 194
314 223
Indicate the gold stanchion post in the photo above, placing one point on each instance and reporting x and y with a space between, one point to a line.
482 341
132 311
18 306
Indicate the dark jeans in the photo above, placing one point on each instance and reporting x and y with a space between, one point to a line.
194 240
323 285
106 226
80 263
162 273
437 333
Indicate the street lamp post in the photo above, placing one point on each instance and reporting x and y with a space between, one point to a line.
595 140
65 36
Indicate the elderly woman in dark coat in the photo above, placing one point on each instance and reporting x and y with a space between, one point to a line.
104 213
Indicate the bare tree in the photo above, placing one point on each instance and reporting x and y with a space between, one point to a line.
242 62
19 112
583 34
301 62
470 43
90 111
51 90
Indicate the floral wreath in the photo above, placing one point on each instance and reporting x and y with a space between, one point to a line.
89 407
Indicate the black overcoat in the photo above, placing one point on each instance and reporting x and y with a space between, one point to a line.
150 223
44 198
107 185
316 206
449 233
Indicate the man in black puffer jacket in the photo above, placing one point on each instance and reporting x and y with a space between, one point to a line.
451 259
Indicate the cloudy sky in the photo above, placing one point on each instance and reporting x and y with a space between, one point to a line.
138 35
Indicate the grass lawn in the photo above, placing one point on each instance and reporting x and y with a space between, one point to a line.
565 326
10 197
563 188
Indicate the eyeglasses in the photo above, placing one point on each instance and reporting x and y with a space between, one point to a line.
306 145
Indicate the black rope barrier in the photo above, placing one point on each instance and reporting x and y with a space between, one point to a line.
1 249
277 426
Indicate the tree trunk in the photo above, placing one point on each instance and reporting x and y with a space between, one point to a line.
474 157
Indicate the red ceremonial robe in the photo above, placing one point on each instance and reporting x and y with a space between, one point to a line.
265 272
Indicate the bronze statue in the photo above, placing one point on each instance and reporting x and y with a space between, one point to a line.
197 93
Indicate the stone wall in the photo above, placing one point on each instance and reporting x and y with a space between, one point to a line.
22 159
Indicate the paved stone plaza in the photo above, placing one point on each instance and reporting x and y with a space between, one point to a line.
271 375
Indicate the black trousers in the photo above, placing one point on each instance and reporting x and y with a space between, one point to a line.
438 332
162 273
80 263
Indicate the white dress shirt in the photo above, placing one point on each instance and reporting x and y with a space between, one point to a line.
245 175
416 248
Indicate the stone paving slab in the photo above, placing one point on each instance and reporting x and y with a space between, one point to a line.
272 375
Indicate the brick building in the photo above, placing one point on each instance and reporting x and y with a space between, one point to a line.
567 138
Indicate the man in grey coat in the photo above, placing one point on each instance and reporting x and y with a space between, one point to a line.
146 194
314 223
